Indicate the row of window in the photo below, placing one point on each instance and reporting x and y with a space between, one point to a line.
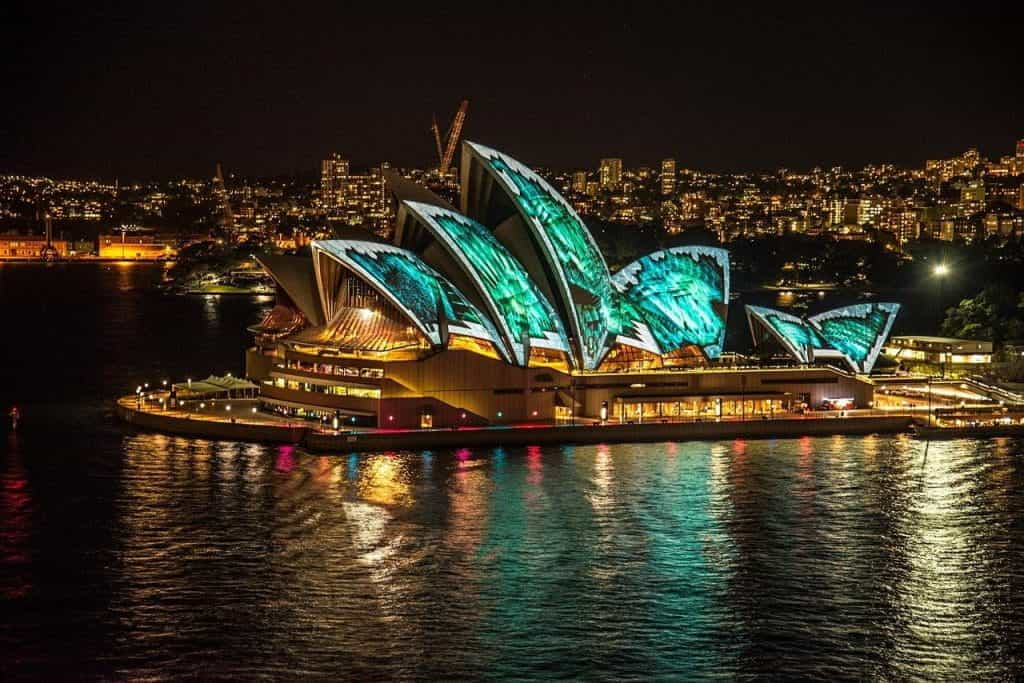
340 370
330 389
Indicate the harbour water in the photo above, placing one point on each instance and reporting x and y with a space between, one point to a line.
134 555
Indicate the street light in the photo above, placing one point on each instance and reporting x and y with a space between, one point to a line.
941 270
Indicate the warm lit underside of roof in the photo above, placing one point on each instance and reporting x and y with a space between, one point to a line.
360 329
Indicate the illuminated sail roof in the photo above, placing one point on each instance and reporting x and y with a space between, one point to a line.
295 276
577 271
793 333
855 333
858 331
683 293
521 311
430 301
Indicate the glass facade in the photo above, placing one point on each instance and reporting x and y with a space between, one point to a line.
519 308
683 294
584 283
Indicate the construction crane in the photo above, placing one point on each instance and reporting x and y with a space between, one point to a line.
437 140
446 153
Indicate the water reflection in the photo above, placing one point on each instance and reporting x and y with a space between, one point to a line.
692 559
15 524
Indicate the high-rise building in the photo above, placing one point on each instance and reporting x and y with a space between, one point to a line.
973 192
1020 149
610 172
668 177
334 175
579 182
1020 199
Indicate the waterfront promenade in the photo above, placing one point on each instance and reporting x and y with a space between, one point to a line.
242 424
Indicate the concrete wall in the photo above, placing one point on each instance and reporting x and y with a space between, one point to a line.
209 429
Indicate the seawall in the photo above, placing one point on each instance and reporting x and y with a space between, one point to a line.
347 442
170 423
589 434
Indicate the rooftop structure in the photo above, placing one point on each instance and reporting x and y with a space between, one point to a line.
854 334
501 310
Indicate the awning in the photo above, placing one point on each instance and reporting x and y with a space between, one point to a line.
214 386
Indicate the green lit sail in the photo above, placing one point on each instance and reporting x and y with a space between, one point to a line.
414 287
858 331
583 279
794 333
683 293
516 303
633 326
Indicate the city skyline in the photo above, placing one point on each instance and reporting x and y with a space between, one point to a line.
169 93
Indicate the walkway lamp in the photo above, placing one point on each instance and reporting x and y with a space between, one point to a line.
941 271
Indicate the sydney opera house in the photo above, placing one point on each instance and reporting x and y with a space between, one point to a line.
504 311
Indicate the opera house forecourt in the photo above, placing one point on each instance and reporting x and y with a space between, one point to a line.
503 311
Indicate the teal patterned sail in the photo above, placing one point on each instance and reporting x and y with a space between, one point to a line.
855 333
793 333
581 276
858 331
683 293
517 306
415 288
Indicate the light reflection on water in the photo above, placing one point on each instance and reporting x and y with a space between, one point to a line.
135 556
813 556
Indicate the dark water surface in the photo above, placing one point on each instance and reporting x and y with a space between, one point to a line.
132 555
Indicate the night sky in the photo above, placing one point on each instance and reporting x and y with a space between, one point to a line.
160 89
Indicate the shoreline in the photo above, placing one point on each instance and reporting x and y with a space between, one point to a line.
315 440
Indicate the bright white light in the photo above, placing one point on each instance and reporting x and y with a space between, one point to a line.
941 270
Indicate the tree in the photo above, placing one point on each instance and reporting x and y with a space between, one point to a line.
996 314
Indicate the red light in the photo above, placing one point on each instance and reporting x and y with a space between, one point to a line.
463 416
535 413
391 417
